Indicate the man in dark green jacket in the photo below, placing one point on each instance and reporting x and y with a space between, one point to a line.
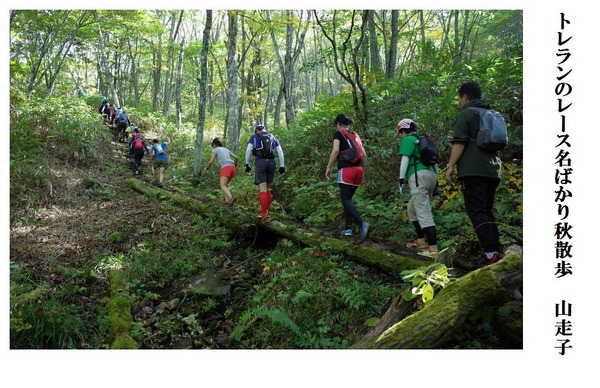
478 171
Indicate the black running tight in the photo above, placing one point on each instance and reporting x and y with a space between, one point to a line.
350 211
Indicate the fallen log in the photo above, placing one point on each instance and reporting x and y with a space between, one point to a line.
438 321
245 223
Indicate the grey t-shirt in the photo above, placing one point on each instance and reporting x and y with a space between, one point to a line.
223 156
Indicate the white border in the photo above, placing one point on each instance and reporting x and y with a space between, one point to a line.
537 363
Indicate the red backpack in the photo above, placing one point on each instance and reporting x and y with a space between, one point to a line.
355 151
137 144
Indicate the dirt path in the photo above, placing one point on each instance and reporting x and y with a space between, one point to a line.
75 225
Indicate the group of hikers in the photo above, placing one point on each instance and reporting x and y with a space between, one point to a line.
478 170
115 117
118 119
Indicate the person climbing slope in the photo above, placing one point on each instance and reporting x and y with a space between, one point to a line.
138 147
262 145
160 161
228 161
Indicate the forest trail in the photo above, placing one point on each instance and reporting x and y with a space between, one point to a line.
74 226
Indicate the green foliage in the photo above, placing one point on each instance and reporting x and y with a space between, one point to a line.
39 319
307 299
425 281
67 130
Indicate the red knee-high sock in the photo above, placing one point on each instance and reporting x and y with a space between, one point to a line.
263 198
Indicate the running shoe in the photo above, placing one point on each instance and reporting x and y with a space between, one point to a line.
346 232
418 243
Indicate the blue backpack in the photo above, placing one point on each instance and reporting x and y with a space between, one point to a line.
492 135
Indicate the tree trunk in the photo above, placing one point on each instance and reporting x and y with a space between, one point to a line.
287 63
422 26
178 84
175 24
44 47
209 91
375 59
457 51
104 60
242 73
438 321
202 91
157 63
393 53
134 74
278 103
232 124
346 61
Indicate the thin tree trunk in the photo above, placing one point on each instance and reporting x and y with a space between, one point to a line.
104 60
232 81
209 92
134 74
178 84
202 91
457 50
278 103
393 52
157 72
44 45
350 72
375 59
175 24
242 73
422 26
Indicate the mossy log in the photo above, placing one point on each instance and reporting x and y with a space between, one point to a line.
361 253
119 311
245 223
437 322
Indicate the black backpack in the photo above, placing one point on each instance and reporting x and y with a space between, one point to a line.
428 150
265 151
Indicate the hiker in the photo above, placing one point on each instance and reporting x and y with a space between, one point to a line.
123 122
478 171
138 148
111 114
104 109
350 172
132 132
160 161
262 145
421 180
228 161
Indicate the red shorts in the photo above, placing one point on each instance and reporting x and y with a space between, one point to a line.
351 175
228 171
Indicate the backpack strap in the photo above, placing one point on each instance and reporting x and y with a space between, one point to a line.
415 157
481 111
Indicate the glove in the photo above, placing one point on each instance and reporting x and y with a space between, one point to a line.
281 170
437 191
248 168
402 185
